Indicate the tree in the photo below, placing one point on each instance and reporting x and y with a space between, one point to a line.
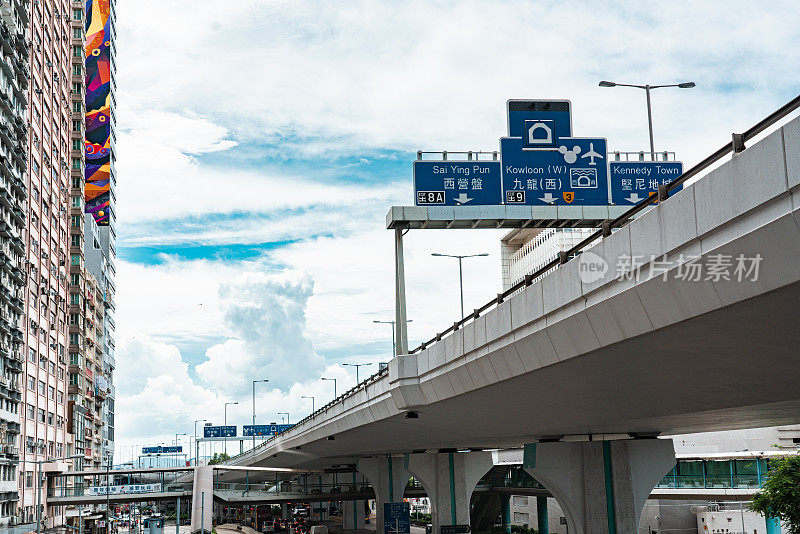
218 458
779 497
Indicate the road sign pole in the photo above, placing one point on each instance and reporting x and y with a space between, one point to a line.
394 344
400 294
461 285
650 123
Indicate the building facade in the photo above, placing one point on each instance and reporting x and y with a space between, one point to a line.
525 251
56 200
14 83
44 423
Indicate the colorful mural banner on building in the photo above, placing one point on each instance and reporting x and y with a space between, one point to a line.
97 144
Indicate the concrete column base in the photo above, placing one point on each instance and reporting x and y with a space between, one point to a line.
203 499
388 477
353 515
578 475
449 479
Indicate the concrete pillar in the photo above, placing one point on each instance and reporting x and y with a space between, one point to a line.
353 515
601 485
542 521
388 477
773 526
284 511
203 498
449 479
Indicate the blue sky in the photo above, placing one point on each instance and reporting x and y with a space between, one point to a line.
261 144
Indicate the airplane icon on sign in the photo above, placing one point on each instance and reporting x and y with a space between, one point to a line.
591 154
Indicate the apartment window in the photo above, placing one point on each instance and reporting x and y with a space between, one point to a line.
42 388
31 383
520 500
28 479
60 376
60 394
76 126
521 517
41 416
50 421
32 355
51 392
74 299
31 411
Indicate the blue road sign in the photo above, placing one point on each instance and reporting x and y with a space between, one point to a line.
573 171
554 114
396 518
161 450
219 432
632 181
264 430
457 183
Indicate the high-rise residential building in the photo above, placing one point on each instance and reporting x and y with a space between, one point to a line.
14 82
43 420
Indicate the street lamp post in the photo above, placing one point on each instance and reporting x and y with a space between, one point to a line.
197 445
254 410
647 88
176 446
394 346
312 402
40 481
460 271
334 385
286 414
225 422
357 365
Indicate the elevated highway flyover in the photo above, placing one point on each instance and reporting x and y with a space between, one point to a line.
584 370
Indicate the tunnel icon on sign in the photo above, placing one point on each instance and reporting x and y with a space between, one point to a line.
583 178
540 133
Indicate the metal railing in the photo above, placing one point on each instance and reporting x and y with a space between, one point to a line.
710 482
736 145
471 155
641 155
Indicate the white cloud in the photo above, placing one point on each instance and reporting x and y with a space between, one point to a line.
417 74
318 80
266 315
